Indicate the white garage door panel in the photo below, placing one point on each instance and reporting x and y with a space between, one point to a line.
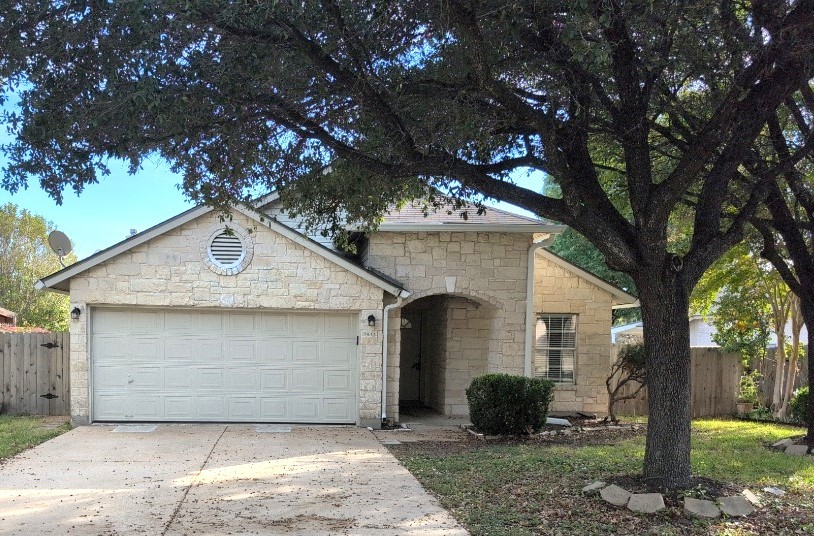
180 365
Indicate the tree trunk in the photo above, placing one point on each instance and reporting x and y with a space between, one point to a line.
665 315
791 374
779 365
797 321
807 306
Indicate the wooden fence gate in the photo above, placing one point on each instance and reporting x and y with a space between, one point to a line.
35 373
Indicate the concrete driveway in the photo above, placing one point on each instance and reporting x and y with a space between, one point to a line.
215 479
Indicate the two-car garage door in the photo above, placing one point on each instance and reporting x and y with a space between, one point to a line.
236 366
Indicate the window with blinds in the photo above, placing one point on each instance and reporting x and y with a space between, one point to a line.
555 352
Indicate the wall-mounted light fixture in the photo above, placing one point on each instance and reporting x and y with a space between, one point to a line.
75 312
371 320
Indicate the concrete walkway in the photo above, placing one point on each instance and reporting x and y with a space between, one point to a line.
213 480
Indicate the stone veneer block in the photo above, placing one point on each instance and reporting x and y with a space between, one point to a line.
701 508
646 503
750 496
735 506
615 495
593 488
797 450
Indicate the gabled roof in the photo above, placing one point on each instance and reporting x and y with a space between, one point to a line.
59 281
411 217
621 298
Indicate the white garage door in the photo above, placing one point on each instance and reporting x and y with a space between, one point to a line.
182 365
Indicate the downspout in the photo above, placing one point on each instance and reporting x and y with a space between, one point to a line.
385 323
538 243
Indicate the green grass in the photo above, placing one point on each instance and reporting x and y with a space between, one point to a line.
18 433
523 488
733 450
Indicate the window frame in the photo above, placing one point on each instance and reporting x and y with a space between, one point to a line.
542 351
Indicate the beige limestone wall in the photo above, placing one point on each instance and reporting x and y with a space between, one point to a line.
169 271
468 333
557 290
488 268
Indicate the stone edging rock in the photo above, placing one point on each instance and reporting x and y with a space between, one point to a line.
650 503
787 445
563 432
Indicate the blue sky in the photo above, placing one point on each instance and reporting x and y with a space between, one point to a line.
104 213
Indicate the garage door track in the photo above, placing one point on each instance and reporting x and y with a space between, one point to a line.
215 479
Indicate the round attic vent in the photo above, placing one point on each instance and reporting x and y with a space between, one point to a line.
228 251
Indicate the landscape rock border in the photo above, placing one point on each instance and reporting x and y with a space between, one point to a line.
564 432
650 503
789 447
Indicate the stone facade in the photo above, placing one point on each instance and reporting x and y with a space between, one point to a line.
169 271
470 287
557 290
483 277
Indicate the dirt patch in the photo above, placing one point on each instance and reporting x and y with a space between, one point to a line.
424 433
456 440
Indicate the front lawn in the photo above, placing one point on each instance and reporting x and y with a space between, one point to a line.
18 433
519 487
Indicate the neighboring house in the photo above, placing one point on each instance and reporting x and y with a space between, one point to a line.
8 324
7 318
701 332
253 320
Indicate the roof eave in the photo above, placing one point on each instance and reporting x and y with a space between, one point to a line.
471 227
305 241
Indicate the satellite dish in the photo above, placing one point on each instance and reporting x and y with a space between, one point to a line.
60 244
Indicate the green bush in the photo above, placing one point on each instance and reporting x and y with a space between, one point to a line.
502 404
798 406
748 388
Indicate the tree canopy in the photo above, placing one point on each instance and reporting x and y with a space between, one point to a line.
641 112
24 258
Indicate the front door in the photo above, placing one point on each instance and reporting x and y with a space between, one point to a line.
410 364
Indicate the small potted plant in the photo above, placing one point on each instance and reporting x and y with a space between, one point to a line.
747 394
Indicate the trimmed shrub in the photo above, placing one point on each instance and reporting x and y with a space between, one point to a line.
502 404
798 406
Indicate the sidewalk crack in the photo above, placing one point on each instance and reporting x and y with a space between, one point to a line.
192 484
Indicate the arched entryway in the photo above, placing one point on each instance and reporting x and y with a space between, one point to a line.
445 341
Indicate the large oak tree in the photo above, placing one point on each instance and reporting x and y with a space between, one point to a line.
662 98
24 258
787 222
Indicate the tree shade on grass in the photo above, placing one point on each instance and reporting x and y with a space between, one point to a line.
527 487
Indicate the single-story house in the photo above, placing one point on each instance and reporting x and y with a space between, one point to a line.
702 332
253 320
8 318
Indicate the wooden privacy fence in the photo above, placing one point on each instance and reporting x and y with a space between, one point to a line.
715 384
34 375
767 368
